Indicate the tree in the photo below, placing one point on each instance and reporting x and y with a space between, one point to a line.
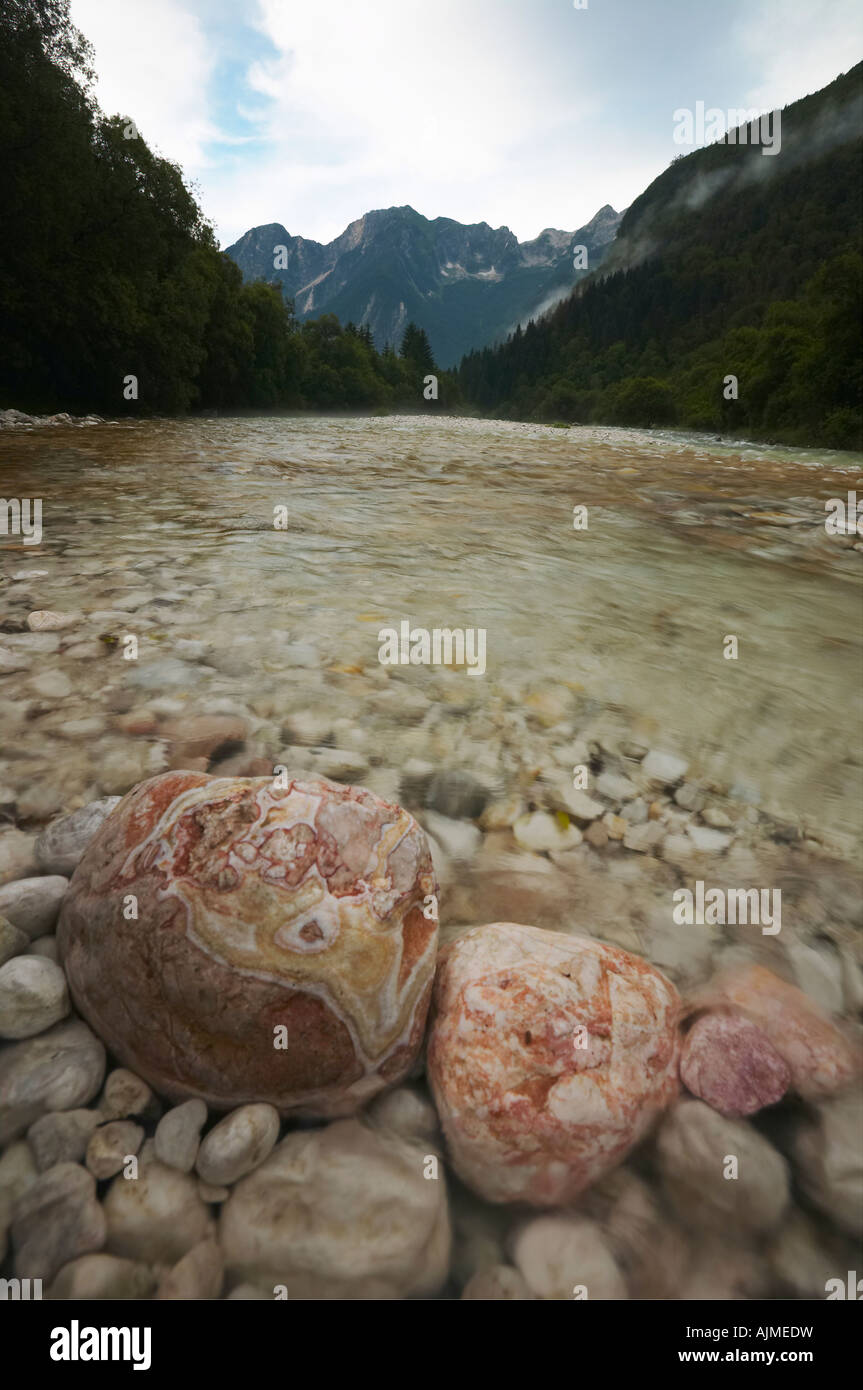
416 350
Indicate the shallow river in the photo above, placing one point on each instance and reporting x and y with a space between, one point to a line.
164 530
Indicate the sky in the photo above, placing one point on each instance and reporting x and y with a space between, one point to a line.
520 113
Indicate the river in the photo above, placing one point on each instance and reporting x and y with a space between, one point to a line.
165 529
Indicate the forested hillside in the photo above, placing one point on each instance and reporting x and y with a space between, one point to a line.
109 270
732 263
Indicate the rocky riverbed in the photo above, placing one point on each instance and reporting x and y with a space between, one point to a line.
610 756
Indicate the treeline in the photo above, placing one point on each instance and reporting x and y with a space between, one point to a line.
114 296
761 281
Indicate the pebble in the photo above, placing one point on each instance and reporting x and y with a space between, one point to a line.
457 794
62 1137
416 775
84 651
201 736
338 764
729 1063
33 996
343 1212
642 838
103 1277
540 832
615 826
707 840
597 835
818 972
690 796
51 685
126 1094
820 1058
168 673
533 1108
16 858
678 849
40 643
39 802
459 839
91 727
44 620
303 654
46 946
110 1147
694 1145
548 708
498 1284
122 768
664 769
57 1219
156 1217
562 796
828 1160
178 1135
13 661
308 727
716 818
563 1257
61 845
635 812
13 941
615 787
238 1144
17 1173
404 1111
58 1070
198 1275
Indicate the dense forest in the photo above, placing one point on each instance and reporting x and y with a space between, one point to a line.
731 264
109 270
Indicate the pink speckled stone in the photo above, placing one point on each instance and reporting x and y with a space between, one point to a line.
530 1116
259 909
729 1063
821 1060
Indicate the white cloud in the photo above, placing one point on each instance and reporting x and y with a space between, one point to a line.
441 106
798 46
153 62
515 112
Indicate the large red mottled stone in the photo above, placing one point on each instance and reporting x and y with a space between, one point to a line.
260 909
732 1065
549 1057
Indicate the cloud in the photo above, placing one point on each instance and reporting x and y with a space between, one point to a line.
522 113
797 46
154 63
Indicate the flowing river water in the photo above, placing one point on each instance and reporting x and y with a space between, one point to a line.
164 529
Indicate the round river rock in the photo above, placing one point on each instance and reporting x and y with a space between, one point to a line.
550 1056
280 951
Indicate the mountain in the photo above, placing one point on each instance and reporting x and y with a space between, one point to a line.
731 263
467 286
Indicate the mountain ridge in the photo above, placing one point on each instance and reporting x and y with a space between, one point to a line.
466 284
